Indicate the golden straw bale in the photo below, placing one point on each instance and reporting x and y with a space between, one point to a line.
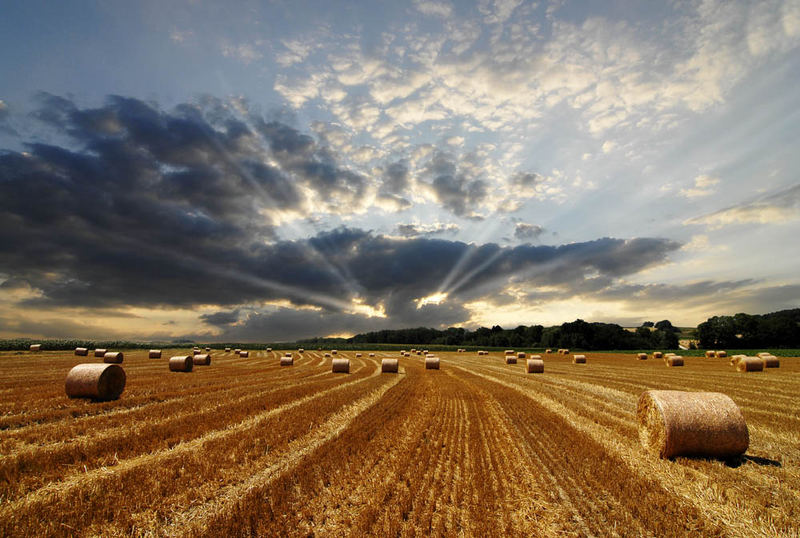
534 366
722 354
371 354
208 349
36 347
579 359
566 351
771 362
509 352
154 354
196 351
511 359
100 352
735 359
642 356
269 350
358 355
431 363
548 351
340 366
677 423
287 361
673 360
327 355
244 354
113 357
710 353
228 350
237 350
390 366
334 352
521 355
535 357
96 381
750 364
203 359
182 363
657 355
301 350
81 351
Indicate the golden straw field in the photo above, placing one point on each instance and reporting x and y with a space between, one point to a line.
476 448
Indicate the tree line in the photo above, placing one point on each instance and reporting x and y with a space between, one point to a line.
749 331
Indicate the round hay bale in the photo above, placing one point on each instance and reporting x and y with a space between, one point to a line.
237 350
735 359
340 366
673 360
100 352
710 353
96 381
196 351
154 354
431 363
334 351
183 363
113 357
269 349
81 351
521 355
534 366
301 350
722 354
203 359
327 355
287 361
430 355
371 354
509 352
658 355
244 354
763 354
677 423
358 355
579 359
548 351
227 350
535 357
771 362
511 359
36 347
641 356
208 349
750 364
390 366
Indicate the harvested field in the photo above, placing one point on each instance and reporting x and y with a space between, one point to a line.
479 448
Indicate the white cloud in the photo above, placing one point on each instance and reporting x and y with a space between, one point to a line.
431 7
703 186
244 52
783 206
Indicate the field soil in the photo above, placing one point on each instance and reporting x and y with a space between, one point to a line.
477 448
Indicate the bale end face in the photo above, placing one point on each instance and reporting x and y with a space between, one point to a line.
676 423
340 366
100 382
432 363
534 366
287 361
390 366
113 357
183 363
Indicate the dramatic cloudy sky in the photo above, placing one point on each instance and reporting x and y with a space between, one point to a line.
274 170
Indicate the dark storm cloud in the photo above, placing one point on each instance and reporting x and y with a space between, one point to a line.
417 230
523 230
221 318
395 178
455 184
525 179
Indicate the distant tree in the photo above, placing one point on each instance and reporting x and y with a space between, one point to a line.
666 325
647 324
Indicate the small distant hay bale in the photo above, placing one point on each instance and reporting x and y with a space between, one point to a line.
97 381
113 357
269 349
36 347
509 352
677 423
548 351
228 350
81 351
244 354
521 355
237 350
390 366
154 354
196 351
425 352
334 351
579 359
203 359
710 354
534 366
673 360
288 354
208 349
431 363
287 361
565 351
658 355
358 355
771 362
750 364
340 366
182 363
511 359
641 356
764 354
371 354
721 354
100 352
327 355
413 350
301 350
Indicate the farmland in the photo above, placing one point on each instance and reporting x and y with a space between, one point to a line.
477 448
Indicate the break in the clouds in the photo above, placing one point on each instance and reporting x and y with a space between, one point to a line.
287 171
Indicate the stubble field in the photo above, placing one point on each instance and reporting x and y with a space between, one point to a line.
478 448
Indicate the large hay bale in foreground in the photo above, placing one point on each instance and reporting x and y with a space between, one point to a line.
431 363
673 360
287 361
641 356
340 366
100 352
390 366
36 347
203 359
771 362
750 364
534 366
182 363
657 355
511 359
113 357
579 359
154 354
96 381
81 351
677 423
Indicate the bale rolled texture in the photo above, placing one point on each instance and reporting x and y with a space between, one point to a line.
100 352
579 359
657 354
154 354
750 364
722 354
97 381
534 366
340 366
677 423
511 359
244 354
81 351
673 360
287 361
390 366
432 363
113 357
642 356
36 347
183 363
771 362
203 359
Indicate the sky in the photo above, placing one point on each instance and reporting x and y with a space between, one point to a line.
267 171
